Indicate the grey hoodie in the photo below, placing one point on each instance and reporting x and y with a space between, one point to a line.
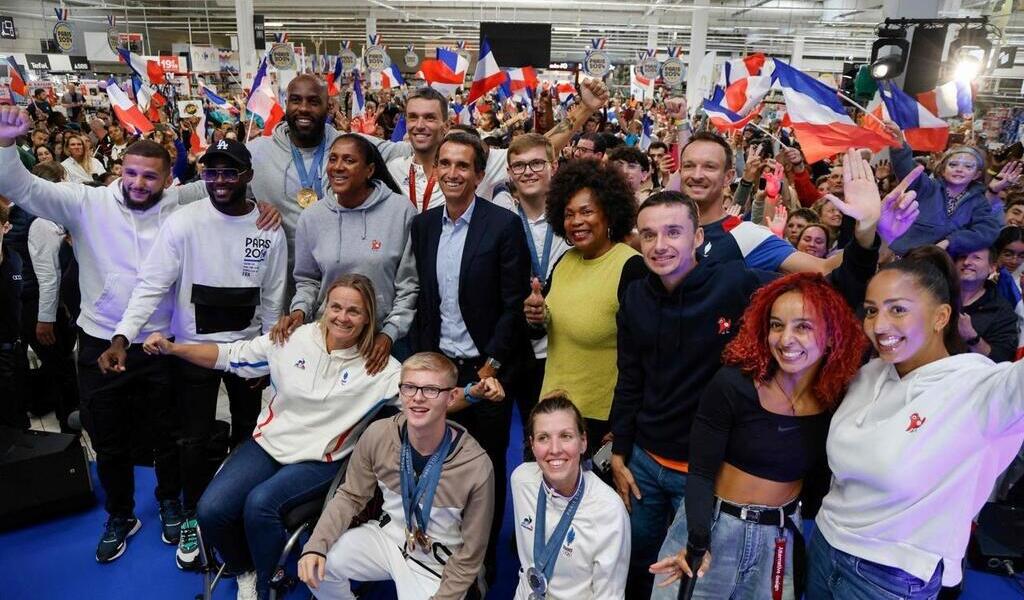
373 240
275 179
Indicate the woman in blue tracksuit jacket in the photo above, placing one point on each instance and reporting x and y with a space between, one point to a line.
955 213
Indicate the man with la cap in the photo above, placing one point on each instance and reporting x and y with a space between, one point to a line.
227 278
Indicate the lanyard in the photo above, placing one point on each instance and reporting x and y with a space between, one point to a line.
311 179
416 491
427 193
545 554
540 269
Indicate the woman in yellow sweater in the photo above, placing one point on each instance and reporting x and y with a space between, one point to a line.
592 207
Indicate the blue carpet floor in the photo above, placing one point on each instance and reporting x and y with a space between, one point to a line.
55 560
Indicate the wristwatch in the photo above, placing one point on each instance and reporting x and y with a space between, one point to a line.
493 363
973 341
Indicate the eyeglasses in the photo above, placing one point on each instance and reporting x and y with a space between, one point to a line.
429 391
578 150
518 168
226 175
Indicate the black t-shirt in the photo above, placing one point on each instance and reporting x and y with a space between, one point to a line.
10 295
731 426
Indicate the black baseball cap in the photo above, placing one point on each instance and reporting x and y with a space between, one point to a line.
230 149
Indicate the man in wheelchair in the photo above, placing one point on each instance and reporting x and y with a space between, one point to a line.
437 487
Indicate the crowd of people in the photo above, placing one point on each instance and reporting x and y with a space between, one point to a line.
708 341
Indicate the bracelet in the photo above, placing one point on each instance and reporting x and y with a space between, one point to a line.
973 341
470 398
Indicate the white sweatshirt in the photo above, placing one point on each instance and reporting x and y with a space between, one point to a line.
318 398
228 277
44 241
110 239
594 558
915 459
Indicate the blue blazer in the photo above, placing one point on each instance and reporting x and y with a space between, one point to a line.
494 280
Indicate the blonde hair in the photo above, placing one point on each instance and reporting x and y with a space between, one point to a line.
84 162
529 141
432 361
364 286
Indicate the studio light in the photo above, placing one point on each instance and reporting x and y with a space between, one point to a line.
889 52
967 68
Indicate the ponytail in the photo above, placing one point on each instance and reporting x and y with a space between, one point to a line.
935 272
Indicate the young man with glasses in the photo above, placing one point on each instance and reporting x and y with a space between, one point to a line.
589 145
437 485
530 168
225 279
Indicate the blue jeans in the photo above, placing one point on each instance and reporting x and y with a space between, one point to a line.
661 492
741 559
240 512
834 574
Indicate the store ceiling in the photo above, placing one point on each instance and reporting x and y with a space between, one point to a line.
832 28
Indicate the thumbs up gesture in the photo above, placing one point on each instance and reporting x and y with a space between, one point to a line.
533 306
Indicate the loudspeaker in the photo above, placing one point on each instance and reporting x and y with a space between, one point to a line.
43 475
997 543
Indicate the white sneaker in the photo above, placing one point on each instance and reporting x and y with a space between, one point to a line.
247 586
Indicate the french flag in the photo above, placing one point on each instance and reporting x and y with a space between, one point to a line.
334 79
463 114
126 110
566 92
723 119
487 76
950 99
447 72
924 131
818 118
400 129
149 100
198 139
262 100
358 101
520 82
216 100
1010 290
149 70
745 82
17 84
391 77
645 135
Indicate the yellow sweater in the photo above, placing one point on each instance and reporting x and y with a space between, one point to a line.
582 304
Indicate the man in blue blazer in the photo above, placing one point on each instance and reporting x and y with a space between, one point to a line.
474 272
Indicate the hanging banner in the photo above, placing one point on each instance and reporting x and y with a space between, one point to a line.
63 32
595 62
349 60
672 69
411 58
259 32
647 65
204 59
375 57
282 54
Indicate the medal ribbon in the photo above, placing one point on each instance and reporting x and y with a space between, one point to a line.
311 179
427 193
415 491
539 264
545 554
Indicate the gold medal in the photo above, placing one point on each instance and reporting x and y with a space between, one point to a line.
410 540
306 197
422 539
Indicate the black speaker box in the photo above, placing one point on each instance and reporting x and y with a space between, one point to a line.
997 543
43 475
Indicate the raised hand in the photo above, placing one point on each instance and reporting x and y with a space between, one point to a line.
753 165
533 306
675 107
773 181
895 132
861 198
899 209
594 94
794 158
14 122
883 170
1008 176
778 222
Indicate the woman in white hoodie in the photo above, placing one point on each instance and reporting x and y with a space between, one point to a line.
321 396
916 445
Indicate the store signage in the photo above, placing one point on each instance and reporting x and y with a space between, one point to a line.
375 57
7 30
1006 57
282 56
647 66
411 58
171 64
672 69
259 32
596 62
80 63
64 36
38 62
190 108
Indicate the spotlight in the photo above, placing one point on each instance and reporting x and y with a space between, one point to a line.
970 52
889 52
967 68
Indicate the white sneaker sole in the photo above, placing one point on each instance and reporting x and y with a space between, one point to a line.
124 546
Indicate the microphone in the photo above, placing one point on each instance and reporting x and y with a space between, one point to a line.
694 556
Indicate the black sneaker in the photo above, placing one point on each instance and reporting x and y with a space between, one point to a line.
170 519
113 542
187 555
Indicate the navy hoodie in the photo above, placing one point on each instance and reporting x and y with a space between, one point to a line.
670 344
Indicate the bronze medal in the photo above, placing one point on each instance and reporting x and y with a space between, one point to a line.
422 539
306 197
410 540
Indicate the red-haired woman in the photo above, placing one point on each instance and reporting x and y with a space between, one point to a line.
759 431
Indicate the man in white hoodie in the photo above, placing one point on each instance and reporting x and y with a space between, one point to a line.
113 228
238 296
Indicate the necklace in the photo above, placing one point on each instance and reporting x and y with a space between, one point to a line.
790 399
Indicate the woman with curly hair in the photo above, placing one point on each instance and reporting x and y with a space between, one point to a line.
592 207
760 430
